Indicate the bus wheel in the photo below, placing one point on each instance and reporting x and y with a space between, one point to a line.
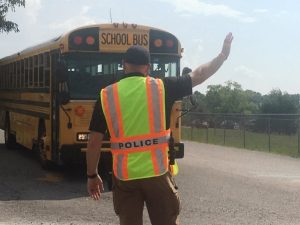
9 139
40 148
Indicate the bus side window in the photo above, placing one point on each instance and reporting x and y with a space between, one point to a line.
100 69
36 71
26 75
17 74
46 69
41 71
22 74
30 74
10 75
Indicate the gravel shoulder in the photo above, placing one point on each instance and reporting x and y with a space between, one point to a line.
218 186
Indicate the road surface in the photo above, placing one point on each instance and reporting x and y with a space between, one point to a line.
217 185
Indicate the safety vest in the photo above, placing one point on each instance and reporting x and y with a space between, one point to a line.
134 109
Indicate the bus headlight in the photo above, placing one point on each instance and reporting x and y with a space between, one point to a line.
83 136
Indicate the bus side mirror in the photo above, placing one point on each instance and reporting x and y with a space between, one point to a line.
64 97
61 73
63 92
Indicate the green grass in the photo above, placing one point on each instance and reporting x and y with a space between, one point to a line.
275 143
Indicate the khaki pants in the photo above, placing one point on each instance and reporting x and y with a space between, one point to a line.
159 194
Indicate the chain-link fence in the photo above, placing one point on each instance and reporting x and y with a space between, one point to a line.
267 132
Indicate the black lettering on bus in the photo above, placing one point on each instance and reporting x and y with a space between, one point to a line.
135 39
113 39
103 38
127 40
140 39
145 39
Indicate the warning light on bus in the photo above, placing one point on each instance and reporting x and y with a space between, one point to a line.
170 43
77 40
158 43
90 40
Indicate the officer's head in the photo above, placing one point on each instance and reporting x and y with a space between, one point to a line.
137 60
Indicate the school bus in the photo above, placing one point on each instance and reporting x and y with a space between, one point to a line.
48 91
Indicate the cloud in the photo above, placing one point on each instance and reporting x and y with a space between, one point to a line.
193 56
247 72
260 10
206 9
75 21
32 9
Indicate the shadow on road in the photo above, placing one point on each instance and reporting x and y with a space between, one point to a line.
22 178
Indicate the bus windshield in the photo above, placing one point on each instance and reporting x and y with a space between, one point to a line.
89 73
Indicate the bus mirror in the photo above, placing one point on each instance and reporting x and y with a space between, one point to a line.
64 97
63 92
61 73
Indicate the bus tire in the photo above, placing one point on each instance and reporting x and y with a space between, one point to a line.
9 139
40 147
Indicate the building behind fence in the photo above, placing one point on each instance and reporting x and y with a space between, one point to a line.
267 132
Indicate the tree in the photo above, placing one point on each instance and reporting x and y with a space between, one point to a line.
5 6
280 103
226 99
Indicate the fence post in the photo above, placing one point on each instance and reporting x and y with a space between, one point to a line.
244 131
269 133
298 134
224 131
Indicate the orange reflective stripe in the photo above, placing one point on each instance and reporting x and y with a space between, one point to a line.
141 149
115 164
106 109
137 137
165 155
150 105
118 110
137 143
154 162
162 113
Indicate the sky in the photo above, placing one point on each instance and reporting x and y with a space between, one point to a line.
265 52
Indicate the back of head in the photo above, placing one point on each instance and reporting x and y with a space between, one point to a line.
137 59
186 70
137 55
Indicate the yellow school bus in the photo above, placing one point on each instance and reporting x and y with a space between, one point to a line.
48 91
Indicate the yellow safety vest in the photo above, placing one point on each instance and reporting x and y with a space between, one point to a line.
134 110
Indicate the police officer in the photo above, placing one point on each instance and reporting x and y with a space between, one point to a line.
136 112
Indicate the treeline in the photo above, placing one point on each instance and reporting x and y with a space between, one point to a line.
230 98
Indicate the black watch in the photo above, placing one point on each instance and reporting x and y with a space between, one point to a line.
92 176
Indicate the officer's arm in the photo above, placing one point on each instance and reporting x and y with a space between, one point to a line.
201 73
93 152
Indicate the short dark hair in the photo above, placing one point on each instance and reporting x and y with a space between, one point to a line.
186 70
137 55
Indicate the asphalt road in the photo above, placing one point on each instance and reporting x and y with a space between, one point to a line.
218 186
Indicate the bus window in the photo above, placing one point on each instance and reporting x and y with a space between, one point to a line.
22 74
161 67
41 71
47 69
30 75
26 77
36 71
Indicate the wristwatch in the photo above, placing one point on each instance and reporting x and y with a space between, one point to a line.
92 175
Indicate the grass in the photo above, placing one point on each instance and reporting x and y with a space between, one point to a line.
275 143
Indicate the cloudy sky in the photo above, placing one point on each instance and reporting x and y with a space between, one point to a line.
265 53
